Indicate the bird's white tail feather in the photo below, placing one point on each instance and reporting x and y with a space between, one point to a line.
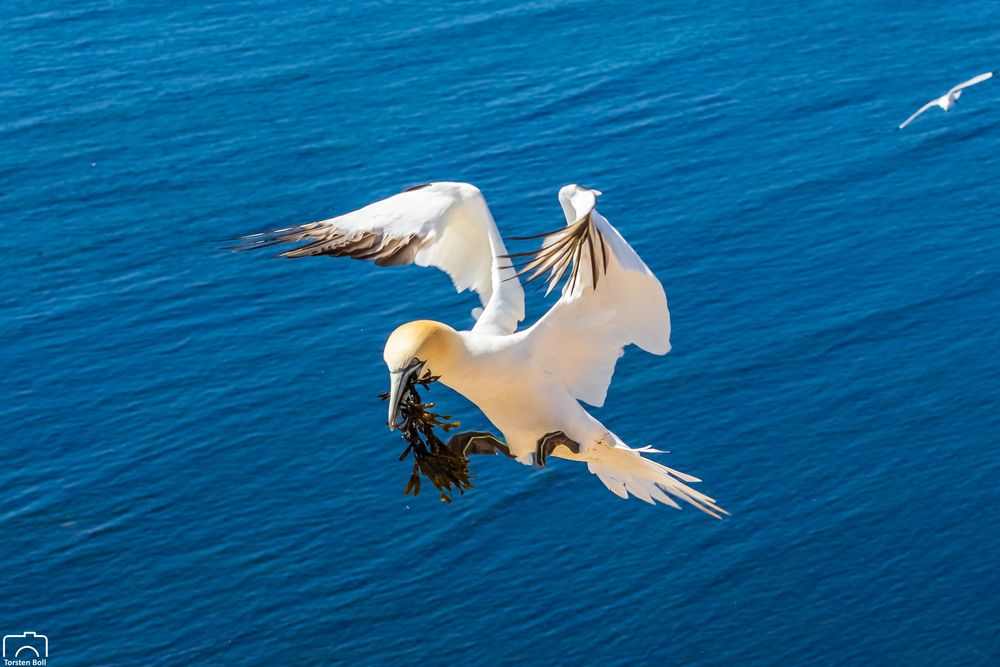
624 470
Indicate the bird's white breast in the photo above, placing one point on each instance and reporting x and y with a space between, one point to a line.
517 395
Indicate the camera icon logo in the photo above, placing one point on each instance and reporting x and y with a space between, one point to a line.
25 645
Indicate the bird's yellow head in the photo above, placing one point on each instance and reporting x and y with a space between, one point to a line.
411 349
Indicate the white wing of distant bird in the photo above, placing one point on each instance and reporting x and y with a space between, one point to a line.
947 101
932 103
979 78
445 225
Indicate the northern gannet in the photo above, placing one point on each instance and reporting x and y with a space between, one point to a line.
948 100
528 383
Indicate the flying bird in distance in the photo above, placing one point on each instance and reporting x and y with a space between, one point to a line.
948 100
529 383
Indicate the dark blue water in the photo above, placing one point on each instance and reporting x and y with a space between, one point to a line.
196 466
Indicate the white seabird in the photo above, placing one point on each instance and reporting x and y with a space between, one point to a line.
948 100
528 383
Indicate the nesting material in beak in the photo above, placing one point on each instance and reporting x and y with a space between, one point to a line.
432 458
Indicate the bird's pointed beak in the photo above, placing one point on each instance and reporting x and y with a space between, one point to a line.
597 193
397 384
398 381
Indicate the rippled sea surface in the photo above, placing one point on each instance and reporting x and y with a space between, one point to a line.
196 466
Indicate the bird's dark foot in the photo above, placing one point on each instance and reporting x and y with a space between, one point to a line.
477 442
547 444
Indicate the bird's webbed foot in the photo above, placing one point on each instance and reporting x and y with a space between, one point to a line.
547 444
477 442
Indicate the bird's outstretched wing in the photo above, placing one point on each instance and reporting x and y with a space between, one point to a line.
610 299
919 111
971 82
445 225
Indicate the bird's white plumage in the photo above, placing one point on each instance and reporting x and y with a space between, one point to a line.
527 383
582 336
444 225
466 245
947 101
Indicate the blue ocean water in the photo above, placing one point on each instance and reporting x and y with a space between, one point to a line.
196 464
